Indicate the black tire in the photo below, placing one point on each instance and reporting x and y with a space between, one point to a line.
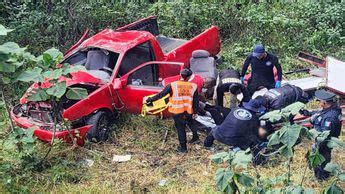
100 129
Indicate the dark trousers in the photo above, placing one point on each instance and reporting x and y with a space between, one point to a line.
319 171
255 84
221 89
209 140
181 121
218 113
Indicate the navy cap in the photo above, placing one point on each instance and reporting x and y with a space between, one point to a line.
186 73
324 95
258 50
255 106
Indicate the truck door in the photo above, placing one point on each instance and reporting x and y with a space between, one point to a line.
140 82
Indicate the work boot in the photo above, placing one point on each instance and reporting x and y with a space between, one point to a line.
194 140
181 150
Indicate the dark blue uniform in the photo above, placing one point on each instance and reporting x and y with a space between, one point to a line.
262 71
326 120
239 129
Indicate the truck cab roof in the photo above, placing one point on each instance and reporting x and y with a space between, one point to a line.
116 41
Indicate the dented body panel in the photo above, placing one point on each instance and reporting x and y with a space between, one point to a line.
118 93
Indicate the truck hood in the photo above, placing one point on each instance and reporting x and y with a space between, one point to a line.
80 77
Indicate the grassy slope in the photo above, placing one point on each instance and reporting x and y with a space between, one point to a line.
152 161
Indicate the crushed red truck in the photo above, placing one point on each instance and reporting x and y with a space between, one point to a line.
123 66
129 63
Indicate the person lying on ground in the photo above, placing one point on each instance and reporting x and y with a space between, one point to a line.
327 119
218 113
183 104
278 98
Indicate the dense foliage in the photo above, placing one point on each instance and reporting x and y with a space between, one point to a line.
235 176
285 28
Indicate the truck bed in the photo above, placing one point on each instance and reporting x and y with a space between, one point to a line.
169 44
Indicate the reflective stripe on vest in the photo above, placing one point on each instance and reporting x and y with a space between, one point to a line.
181 99
230 80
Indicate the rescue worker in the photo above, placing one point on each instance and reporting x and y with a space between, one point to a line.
228 78
241 127
183 104
262 64
278 98
326 119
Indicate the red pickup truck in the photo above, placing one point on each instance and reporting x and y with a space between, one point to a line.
123 66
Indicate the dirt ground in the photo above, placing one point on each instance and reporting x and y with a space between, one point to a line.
154 162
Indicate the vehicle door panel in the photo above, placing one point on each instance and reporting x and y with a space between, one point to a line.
131 93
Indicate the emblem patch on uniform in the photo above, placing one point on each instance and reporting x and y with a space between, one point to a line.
327 123
268 63
242 114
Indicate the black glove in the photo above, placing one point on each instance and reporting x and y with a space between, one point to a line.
304 112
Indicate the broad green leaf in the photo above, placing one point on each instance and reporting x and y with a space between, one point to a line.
286 151
309 191
244 179
342 177
335 143
274 139
6 80
218 158
274 191
54 53
312 134
11 48
75 93
7 67
293 108
333 189
296 190
38 95
322 136
72 69
28 56
241 158
53 74
4 30
31 75
290 135
223 178
332 168
272 116
315 159
57 90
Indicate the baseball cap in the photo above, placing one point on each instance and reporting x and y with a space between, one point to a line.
258 50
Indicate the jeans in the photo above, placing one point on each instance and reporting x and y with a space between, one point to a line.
181 121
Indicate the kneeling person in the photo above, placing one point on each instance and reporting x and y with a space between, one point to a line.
326 119
241 128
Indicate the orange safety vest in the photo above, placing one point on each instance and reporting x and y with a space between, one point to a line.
181 99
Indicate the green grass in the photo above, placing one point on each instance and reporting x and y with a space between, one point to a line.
151 162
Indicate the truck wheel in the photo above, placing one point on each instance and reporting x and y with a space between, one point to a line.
100 129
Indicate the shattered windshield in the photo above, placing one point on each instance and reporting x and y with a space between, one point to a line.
94 59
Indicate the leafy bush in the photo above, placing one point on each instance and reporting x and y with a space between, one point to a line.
285 28
233 178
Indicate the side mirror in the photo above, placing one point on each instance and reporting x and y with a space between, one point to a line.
119 83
